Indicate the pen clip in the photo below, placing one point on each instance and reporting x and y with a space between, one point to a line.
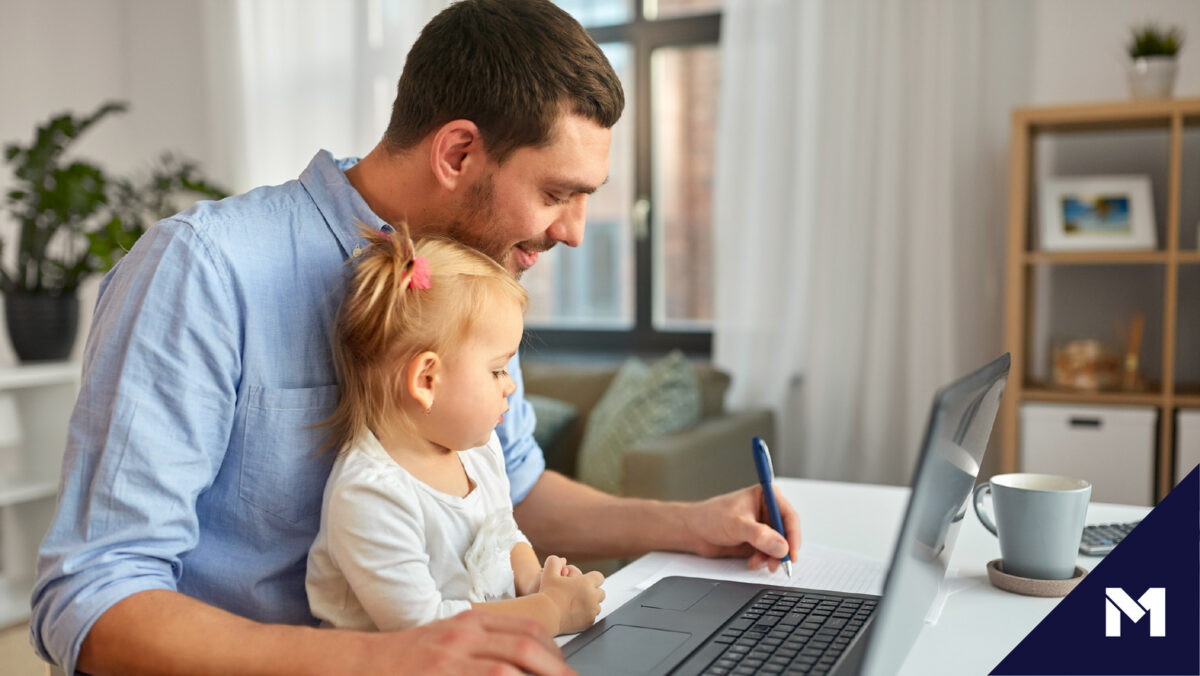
762 459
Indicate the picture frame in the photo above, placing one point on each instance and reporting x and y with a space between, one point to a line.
1090 213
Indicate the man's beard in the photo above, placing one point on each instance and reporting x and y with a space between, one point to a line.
476 226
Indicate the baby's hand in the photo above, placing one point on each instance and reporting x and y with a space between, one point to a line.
568 570
576 595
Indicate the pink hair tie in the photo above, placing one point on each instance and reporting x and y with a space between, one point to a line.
420 274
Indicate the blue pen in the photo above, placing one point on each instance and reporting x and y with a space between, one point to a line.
766 474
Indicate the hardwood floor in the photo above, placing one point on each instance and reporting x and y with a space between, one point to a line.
16 657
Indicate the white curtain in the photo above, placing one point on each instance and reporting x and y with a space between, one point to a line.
289 77
859 215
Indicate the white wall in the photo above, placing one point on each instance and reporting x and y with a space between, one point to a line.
1079 47
66 55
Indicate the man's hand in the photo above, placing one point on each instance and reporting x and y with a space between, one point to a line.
473 642
159 631
735 525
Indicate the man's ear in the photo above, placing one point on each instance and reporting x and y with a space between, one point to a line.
456 155
421 377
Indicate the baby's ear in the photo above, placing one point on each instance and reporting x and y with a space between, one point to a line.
420 378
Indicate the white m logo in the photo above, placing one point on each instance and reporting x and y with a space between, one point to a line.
1153 602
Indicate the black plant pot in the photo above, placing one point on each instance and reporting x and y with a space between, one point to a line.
41 327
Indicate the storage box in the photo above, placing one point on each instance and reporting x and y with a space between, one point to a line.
1187 442
1110 446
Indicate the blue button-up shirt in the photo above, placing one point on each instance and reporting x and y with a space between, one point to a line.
191 462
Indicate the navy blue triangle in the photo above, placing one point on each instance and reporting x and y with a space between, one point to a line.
1163 551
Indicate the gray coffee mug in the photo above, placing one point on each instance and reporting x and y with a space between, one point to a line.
1039 520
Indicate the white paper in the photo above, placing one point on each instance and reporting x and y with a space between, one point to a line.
816 567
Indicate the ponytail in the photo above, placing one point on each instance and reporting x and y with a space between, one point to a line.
403 299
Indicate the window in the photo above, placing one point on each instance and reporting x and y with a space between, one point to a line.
641 281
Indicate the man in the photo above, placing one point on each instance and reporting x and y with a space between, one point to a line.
191 491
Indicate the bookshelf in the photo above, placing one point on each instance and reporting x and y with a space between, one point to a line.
1174 127
39 399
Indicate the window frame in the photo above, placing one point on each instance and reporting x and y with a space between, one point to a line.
643 36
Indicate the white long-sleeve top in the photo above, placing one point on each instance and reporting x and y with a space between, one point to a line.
393 552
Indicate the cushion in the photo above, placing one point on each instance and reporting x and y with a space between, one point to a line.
553 416
642 402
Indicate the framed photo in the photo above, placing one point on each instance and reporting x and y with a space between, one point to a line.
1097 213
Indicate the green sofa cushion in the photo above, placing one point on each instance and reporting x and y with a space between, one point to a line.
553 416
642 402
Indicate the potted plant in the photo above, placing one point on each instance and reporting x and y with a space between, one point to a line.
1153 50
74 220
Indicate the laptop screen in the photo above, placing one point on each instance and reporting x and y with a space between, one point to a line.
956 437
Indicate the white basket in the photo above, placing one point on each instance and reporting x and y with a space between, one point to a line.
1110 446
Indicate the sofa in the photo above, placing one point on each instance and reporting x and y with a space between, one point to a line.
706 458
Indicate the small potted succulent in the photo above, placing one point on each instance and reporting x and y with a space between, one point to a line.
74 220
1153 50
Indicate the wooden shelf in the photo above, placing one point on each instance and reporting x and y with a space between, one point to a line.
1059 396
1173 117
1187 396
1109 116
1096 257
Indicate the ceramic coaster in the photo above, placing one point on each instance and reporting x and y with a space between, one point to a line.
1030 586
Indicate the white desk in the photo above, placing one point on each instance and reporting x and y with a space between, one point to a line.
978 626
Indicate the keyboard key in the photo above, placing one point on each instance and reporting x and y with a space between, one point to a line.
792 619
739 625
764 625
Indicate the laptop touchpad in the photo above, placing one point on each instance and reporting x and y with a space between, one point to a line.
632 649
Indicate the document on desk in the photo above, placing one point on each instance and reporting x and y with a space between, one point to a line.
817 567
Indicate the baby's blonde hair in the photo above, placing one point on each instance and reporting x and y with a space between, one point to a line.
383 322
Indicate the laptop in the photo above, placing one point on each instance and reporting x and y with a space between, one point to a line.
683 625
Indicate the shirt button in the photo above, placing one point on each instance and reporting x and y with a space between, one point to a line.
357 251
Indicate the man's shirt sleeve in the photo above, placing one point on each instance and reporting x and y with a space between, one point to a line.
149 431
523 458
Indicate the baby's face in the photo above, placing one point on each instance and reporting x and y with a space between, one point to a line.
472 396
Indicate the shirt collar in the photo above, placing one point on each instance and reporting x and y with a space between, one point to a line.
339 203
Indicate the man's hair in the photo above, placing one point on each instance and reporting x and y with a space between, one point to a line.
384 321
510 66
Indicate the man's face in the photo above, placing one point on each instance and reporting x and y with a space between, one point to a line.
536 198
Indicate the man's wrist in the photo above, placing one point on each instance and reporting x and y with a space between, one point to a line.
682 534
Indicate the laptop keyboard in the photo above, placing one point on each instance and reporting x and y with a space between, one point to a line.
789 632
